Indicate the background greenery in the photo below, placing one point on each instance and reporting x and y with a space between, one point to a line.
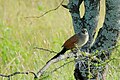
19 35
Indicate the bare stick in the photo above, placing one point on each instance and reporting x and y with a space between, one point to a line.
46 11
51 51
16 73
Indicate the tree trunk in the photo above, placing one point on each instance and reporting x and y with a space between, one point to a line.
105 41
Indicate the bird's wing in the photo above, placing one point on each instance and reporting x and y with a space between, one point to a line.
70 43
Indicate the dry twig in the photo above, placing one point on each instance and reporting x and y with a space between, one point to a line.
51 51
46 11
16 73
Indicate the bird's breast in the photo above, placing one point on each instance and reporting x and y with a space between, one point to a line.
82 40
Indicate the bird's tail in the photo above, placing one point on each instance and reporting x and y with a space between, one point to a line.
60 53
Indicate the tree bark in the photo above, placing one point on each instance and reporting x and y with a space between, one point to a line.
106 40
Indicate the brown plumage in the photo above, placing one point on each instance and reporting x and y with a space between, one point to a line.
70 43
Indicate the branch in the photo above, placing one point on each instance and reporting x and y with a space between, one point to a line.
46 66
51 51
46 11
59 58
16 73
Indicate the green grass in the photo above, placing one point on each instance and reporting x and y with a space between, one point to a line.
19 36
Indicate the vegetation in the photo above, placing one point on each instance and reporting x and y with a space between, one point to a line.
20 35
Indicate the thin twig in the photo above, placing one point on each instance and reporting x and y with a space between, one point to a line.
51 51
16 73
46 11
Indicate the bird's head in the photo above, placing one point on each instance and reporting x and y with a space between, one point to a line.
84 31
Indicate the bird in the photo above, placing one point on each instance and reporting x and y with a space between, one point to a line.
78 39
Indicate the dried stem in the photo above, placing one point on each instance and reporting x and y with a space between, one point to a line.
46 11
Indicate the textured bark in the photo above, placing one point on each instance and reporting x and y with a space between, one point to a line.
108 34
106 39
90 19
73 7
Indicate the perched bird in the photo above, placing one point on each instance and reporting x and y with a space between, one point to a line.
78 39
